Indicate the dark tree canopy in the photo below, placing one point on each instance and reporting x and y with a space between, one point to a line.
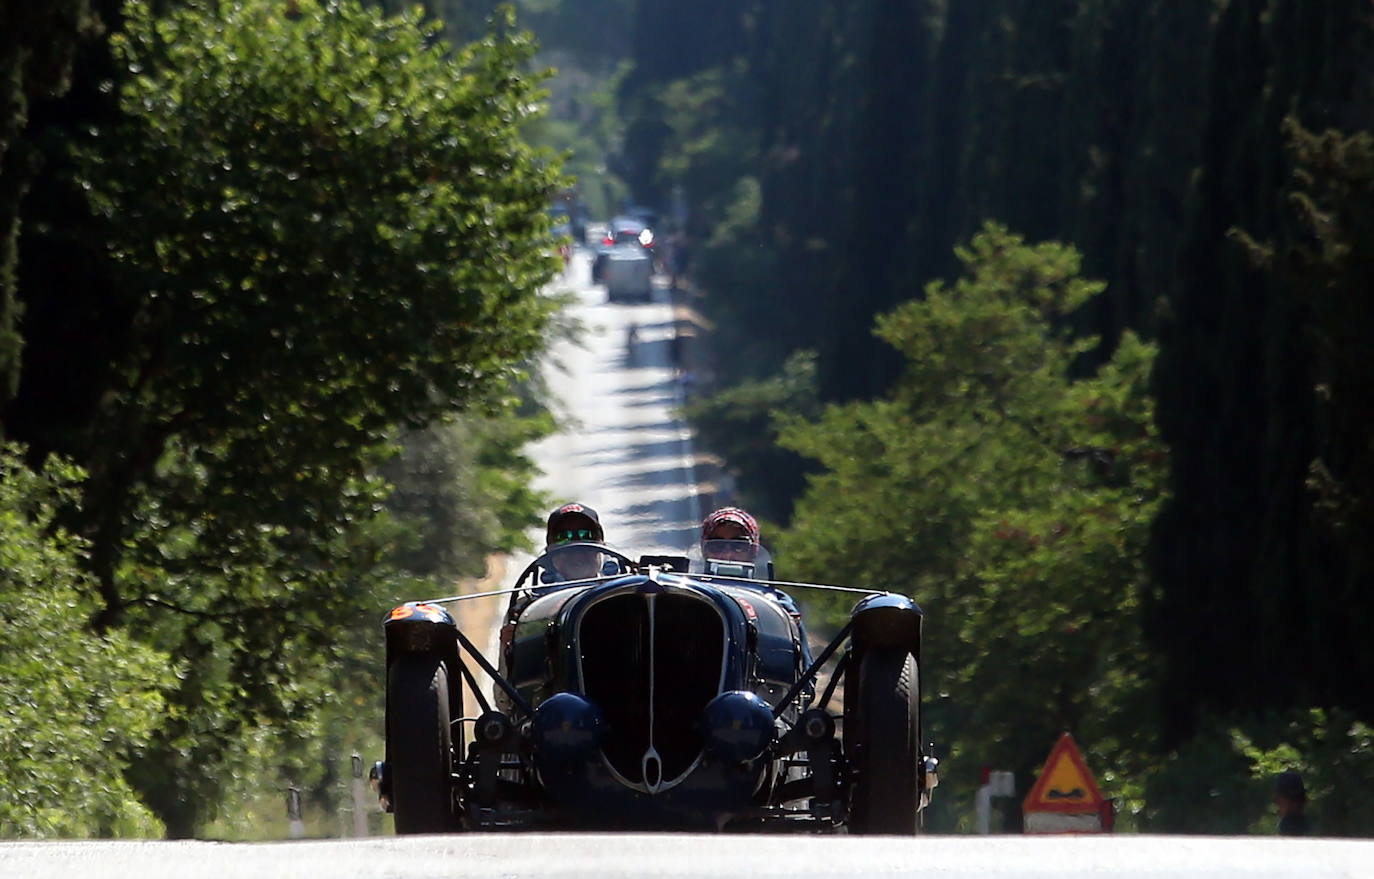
1209 160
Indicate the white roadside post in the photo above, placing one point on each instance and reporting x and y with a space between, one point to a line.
995 784
295 826
360 798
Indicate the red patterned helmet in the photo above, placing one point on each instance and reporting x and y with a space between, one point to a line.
732 515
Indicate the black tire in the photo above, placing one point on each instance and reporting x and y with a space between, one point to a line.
883 740
419 743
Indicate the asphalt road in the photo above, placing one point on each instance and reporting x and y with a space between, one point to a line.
622 449
624 453
589 855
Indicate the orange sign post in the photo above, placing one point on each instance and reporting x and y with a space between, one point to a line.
1065 798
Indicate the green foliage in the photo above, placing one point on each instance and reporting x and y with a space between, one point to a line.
583 127
309 187
1012 500
325 228
1271 523
1152 136
76 705
462 491
1223 779
593 33
1204 786
1335 754
739 424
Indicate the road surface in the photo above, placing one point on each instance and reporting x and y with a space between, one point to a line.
637 856
622 450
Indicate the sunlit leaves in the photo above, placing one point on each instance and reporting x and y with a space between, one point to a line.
72 704
1010 498
332 231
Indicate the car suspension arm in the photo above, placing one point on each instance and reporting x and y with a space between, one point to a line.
472 683
516 699
810 673
834 679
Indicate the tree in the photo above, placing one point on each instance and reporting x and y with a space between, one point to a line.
1314 266
320 228
740 425
75 705
1248 347
1010 498
461 490
37 42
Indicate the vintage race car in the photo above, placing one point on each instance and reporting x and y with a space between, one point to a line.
663 693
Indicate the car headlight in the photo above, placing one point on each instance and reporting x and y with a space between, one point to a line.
568 727
737 726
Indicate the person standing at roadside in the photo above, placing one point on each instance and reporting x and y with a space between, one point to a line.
1290 795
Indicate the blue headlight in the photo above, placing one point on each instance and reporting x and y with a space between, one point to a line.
567 727
737 726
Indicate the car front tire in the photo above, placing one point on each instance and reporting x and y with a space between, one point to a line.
884 743
420 745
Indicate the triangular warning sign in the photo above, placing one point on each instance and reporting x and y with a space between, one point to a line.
1065 784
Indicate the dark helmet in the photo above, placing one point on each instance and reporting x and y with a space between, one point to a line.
574 522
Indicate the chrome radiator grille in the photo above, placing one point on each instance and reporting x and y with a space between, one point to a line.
652 661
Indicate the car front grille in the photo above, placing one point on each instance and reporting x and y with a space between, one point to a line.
652 662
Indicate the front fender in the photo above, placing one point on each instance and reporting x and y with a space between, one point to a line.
420 628
887 620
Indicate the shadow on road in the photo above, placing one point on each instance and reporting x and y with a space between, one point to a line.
661 509
633 451
646 478
660 386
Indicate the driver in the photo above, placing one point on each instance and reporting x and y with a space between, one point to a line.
574 524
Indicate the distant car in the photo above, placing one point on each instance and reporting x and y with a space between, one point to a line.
655 694
628 273
645 215
621 230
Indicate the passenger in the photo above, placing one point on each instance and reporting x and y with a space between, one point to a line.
733 536
734 524
574 524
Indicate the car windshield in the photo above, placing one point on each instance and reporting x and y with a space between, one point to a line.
568 562
732 558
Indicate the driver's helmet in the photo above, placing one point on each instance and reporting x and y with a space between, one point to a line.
574 523
571 539
730 533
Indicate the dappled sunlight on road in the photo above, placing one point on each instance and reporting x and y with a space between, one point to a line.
623 449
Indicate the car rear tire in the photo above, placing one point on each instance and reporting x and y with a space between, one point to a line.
883 739
420 745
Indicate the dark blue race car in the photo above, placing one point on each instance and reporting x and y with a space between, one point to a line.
663 693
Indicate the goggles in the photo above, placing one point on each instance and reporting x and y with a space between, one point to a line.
575 535
742 537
